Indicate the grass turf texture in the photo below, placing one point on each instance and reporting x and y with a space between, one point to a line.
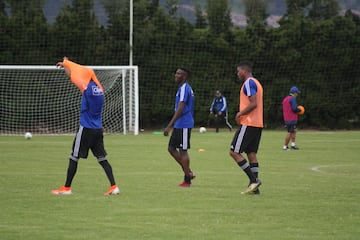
312 193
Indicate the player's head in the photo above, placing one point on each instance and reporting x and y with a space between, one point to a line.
217 93
244 69
182 74
294 90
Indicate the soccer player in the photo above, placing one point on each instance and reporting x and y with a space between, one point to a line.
182 122
218 108
90 133
290 114
250 120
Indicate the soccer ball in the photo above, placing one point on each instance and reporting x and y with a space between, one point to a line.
202 129
302 110
28 135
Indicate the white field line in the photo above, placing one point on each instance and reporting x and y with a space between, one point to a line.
318 168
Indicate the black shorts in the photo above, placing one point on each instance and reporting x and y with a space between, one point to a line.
291 127
86 139
246 139
180 138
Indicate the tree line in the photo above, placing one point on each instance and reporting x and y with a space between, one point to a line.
314 48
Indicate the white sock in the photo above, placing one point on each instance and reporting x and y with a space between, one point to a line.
293 144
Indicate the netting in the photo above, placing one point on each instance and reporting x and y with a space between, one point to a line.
312 44
42 100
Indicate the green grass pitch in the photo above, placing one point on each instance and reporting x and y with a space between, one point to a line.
313 193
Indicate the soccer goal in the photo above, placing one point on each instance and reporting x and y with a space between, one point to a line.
42 100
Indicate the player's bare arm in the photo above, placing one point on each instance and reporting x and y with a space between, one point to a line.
177 114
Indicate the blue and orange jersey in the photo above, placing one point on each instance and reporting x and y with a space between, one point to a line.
255 118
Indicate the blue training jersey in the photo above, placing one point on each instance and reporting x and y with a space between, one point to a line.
218 105
185 94
91 107
250 87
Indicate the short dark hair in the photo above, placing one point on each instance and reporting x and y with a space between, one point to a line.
185 69
246 64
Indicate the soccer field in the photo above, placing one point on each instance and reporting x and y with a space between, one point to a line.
312 193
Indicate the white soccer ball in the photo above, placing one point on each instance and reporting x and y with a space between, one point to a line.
28 135
202 129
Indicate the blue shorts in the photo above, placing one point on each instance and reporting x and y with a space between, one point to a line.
291 127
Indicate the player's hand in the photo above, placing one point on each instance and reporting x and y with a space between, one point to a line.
219 113
60 65
166 131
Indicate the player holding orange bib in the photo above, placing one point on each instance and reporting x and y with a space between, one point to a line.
90 133
78 74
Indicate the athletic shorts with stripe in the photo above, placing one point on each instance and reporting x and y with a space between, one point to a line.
180 139
246 139
88 139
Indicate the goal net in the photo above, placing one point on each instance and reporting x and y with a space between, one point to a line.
42 100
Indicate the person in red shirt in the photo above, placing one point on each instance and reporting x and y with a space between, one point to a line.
290 114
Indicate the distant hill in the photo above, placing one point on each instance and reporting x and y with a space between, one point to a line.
276 8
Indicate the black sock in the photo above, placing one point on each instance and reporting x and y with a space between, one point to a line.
246 168
255 169
187 179
71 172
108 170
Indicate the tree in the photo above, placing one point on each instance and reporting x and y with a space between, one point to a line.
353 16
27 30
219 16
77 23
323 9
296 7
2 10
118 15
315 9
116 41
255 11
200 18
5 50
153 7
172 7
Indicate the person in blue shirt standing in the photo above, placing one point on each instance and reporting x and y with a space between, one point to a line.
219 110
182 122
90 133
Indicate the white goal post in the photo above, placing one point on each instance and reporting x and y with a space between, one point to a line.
42 100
